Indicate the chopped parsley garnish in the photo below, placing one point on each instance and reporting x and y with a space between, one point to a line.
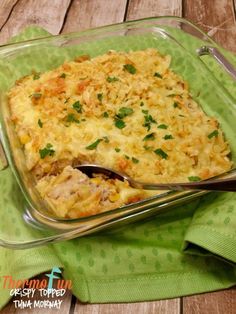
148 119
135 160
99 96
120 124
111 79
194 178
149 137
77 106
36 76
141 104
127 157
46 151
215 133
67 99
130 68
124 112
72 118
36 95
106 139
157 74
176 104
63 75
168 137
161 153
105 114
172 95
40 124
117 149
162 126
94 145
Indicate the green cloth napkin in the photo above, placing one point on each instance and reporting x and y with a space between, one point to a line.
190 249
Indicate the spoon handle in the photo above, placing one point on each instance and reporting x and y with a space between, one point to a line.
212 185
228 184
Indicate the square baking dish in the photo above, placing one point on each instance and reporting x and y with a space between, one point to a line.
180 39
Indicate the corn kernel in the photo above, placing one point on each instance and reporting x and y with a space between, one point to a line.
24 139
96 180
114 197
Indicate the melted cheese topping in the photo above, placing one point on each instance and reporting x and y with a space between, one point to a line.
126 111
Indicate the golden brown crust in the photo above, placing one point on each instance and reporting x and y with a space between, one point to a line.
127 111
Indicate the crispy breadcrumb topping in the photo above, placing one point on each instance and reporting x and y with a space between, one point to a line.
124 110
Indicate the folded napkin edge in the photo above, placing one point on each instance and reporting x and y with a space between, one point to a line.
217 242
149 288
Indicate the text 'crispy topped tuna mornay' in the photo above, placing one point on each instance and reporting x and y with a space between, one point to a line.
126 111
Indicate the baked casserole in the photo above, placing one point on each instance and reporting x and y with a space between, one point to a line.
124 110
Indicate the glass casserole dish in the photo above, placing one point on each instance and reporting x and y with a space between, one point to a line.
170 36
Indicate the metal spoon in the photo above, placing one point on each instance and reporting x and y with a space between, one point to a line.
212 185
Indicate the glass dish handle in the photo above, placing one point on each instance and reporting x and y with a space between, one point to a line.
219 57
3 158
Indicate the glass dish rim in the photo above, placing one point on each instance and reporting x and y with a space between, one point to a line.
104 27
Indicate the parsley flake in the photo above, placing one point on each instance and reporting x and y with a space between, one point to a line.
162 126
36 76
215 133
148 119
105 114
106 139
135 160
194 178
149 137
130 68
157 74
40 124
77 106
63 75
127 157
120 124
168 137
66 100
161 153
36 95
94 145
111 79
46 151
99 96
72 118
141 104
124 112
176 104
117 149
